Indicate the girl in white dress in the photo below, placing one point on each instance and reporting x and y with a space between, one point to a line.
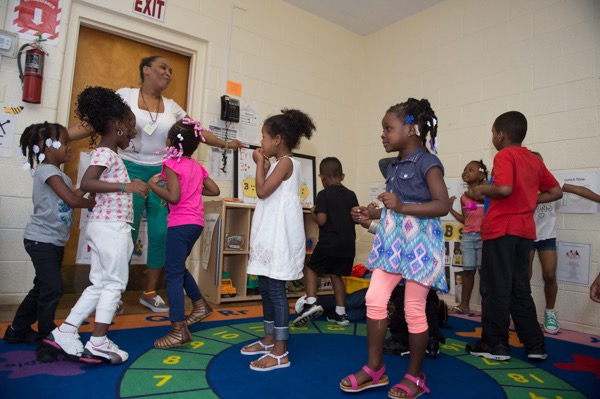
277 245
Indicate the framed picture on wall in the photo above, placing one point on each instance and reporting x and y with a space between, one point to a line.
244 173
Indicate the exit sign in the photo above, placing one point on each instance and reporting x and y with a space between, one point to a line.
154 9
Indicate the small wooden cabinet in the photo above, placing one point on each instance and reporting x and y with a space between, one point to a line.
235 219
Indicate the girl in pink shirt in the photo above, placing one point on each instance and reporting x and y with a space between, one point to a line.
181 184
474 174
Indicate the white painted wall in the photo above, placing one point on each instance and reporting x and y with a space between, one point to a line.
473 59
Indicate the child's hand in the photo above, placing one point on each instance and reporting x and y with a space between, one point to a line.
452 199
475 193
137 187
259 156
157 179
391 201
360 214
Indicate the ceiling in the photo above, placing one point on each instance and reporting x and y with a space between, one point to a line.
363 16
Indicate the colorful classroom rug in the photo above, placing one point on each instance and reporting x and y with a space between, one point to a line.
321 355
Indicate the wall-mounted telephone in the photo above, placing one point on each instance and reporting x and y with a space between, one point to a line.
230 109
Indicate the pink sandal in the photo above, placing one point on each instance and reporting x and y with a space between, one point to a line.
378 379
421 388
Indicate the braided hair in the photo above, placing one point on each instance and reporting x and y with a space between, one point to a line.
291 125
100 107
185 135
420 113
34 141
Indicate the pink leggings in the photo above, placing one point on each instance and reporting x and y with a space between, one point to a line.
380 289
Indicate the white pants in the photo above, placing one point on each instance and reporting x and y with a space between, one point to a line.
111 248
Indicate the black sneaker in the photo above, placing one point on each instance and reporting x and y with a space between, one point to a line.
537 352
308 312
480 348
433 347
339 319
27 336
392 347
45 354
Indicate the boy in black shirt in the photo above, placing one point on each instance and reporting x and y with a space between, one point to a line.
335 250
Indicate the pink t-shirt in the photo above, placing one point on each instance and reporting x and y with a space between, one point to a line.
189 209
115 206
473 214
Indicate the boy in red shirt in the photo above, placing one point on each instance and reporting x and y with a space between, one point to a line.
519 181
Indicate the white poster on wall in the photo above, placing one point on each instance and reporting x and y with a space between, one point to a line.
573 262
456 187
571 203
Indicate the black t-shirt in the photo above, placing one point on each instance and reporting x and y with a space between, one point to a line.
337 237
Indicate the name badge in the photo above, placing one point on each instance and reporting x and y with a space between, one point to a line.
150 128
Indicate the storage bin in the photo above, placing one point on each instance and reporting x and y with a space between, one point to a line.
355 283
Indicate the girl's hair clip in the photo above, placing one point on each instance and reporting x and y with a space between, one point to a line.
409 119
417 132
36 149
482 170
41 157
180 136
48 142
56 144
197 127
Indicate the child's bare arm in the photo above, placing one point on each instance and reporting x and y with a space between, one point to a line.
581 191
172 192
210 188
72 198
555 193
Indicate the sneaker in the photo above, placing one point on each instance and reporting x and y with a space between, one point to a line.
433 347
67 343
26 336
45 354
393 347
108 351
308 312
120 309
156 303
480 348
537 352
339 319
551 322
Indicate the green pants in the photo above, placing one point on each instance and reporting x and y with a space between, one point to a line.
156 215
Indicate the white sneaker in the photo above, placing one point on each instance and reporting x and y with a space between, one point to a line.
68 343
106 351
156 303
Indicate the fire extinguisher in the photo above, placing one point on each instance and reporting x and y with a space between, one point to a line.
32 77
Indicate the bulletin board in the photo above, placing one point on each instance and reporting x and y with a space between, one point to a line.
244 174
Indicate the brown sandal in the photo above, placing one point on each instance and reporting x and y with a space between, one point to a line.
200 310
179 335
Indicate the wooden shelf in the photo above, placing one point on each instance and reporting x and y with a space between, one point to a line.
235 218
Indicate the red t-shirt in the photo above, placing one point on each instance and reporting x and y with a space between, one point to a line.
527 175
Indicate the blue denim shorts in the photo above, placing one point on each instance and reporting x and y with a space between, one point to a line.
471 250
544 245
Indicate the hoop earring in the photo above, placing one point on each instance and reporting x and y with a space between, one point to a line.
119 133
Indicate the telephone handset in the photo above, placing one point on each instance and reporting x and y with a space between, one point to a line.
230 109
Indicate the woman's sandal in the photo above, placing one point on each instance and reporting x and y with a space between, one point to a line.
456 310
378 379
279 365
265 349
421 388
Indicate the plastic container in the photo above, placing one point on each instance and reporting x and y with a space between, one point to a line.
355 283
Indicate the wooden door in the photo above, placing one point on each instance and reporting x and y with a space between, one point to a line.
105 59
